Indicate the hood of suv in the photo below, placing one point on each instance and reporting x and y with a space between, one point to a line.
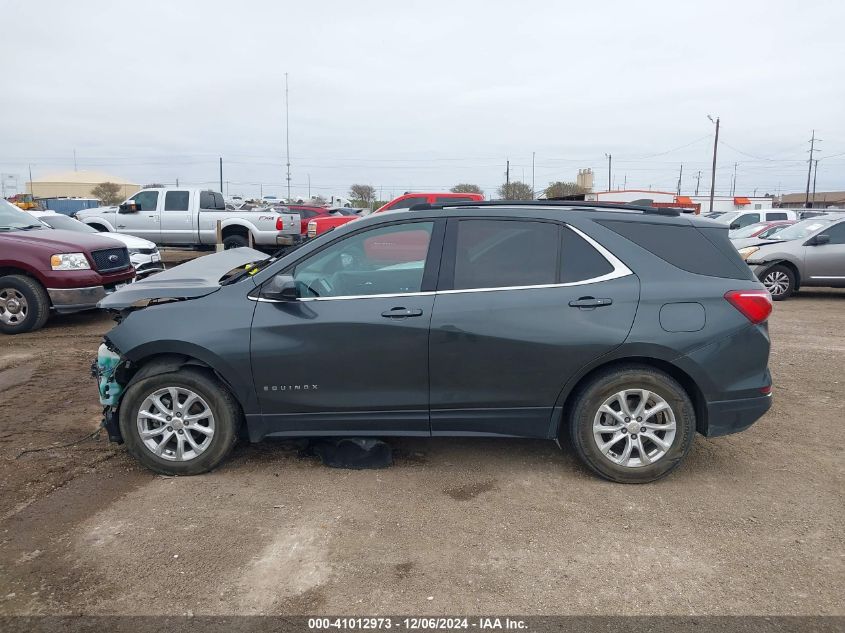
196 278
58 240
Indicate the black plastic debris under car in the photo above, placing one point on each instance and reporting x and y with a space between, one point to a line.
354 453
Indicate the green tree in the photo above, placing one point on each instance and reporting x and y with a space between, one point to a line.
109 193
466 187
362 195
515 191
560 189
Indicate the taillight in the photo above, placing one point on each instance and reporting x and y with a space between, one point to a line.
312 229
755 305
280 223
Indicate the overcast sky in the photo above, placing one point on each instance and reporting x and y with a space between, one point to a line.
422 95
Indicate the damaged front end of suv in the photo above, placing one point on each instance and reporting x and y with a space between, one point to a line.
128 355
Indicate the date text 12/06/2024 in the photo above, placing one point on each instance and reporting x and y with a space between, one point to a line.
417 624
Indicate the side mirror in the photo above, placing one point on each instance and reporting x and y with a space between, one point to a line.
734 226
820 240
128 207
281 288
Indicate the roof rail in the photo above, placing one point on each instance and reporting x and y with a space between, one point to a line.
587 205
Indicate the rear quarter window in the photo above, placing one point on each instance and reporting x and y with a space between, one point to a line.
703 251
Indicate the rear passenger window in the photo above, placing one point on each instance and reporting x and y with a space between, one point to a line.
775 216
579 260
704 251
503 253
207 200
176 201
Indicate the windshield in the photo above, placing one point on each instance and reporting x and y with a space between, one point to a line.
802 229
66 223
12 218
748 231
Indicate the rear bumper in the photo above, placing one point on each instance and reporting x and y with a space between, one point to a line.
288 240
732 416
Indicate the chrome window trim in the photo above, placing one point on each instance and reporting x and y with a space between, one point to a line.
619 270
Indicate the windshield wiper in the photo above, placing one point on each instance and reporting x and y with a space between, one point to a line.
30 226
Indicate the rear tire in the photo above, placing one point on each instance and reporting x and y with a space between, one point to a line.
779 280
24 304
185 439
638 446
235 241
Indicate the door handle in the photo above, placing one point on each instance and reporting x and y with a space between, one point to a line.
590 302
121 226
401 313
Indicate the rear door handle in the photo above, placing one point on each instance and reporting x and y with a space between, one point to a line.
401 313
590 302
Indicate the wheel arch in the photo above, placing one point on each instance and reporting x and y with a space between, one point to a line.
99 222
788 264
569 394
156 364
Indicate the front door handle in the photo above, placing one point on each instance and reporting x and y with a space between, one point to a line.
590 302
401 313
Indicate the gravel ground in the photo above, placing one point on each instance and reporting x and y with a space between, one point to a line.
751 524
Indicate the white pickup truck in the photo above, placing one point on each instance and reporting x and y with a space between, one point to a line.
188 217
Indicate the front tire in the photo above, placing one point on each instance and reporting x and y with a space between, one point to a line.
779 281
24 304
179 423
632 424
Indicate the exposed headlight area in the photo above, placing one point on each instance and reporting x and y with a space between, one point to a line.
69 261
748 251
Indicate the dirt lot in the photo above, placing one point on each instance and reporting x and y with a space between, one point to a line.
752 524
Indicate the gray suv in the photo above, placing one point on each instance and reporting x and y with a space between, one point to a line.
808 253
621 330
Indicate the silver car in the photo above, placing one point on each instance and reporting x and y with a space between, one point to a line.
808 253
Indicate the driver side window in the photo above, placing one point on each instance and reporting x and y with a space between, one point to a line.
146 200
384 260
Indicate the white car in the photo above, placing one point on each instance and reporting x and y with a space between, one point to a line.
143 254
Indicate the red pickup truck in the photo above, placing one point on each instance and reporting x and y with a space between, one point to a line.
43 269
319 225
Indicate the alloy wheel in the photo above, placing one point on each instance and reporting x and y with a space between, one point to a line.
776 282
13 306
176 424
634 428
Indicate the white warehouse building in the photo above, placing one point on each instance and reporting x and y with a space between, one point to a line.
665 198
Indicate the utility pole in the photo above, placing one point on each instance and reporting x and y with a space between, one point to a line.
815 173
680 176
177 181
309 186
713 174
74 159
287 133
30 182
625 185
221 174
697 182
532 174
507 176
810 169
609 170
733 182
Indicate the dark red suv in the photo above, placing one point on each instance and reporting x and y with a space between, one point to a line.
43 269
